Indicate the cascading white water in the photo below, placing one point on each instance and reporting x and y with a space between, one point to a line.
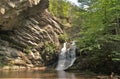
66 57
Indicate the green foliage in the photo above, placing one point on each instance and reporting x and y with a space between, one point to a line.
63 38
27 49
60 8
99 34
63 10
50 47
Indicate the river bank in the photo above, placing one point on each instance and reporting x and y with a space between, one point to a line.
21 68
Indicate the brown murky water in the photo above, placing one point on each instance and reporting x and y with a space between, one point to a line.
47 74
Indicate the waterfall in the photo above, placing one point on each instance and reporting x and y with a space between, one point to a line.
66 57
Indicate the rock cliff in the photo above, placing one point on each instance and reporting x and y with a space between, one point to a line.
29 35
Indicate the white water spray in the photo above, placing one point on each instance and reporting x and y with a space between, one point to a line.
67 56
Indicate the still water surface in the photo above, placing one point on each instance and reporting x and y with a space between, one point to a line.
47 74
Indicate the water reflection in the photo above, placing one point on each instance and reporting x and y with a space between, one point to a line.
25 74
65 75
47 74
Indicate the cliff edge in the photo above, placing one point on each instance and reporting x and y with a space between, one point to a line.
29 35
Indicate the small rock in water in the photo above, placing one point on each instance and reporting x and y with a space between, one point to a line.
6 68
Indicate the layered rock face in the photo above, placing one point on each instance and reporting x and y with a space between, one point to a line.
28 33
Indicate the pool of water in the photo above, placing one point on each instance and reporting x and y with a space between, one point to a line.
47 74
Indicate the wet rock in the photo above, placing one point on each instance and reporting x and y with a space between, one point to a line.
22 68
6 68
14 68
19 62
30 65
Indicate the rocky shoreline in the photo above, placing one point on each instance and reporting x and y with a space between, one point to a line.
21 68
